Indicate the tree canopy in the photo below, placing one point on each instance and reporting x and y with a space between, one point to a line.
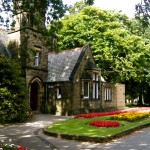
46 10
143 12
121 54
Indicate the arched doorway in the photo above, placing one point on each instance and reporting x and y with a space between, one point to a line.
34 98
36 93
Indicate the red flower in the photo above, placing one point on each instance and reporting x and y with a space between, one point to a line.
97 114
21 148
104 123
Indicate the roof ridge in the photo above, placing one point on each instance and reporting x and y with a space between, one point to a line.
67 50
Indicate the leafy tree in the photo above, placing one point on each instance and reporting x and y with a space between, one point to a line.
118 51
12 91
143 12
79 5
143 17
47 10
76 7
89 2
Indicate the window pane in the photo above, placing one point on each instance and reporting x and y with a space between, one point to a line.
93 76
36 59
86 89
108 94
94 90
59 92
96 77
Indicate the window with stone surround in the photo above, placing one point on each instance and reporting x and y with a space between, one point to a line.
36 59
108 94
95 85
86 89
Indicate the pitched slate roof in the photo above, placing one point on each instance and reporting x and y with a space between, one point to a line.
61 66
3 43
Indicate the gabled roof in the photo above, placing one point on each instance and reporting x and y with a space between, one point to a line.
91 66
63 65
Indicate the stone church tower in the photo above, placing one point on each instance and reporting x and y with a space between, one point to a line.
33 55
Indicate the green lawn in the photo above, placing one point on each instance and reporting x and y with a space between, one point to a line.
80 127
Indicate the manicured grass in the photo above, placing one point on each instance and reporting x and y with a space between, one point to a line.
80 126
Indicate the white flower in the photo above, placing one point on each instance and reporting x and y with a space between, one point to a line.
2 141
12 145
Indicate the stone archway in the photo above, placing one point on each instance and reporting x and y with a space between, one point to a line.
36 92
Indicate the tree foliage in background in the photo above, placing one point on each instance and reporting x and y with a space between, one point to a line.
47 10
143 13
34 14
118 49
79 5
12 91
89 2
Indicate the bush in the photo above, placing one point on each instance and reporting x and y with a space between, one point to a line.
12 91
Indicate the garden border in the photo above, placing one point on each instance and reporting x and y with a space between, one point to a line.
101 139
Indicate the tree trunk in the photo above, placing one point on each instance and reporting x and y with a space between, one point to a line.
140 102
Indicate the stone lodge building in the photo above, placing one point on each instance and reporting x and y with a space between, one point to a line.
64 83
74 84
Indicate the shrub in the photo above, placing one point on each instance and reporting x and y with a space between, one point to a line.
12 91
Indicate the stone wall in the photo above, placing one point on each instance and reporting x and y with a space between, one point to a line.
120 95
117 94
59 106
30 43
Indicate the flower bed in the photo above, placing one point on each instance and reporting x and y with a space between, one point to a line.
97 114
104 123
131 116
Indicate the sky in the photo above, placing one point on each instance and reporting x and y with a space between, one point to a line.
126 6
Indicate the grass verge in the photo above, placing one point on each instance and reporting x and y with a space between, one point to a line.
80 127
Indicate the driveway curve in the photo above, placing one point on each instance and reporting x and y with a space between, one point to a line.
30 134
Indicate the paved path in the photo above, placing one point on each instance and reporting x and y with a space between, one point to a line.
30 134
